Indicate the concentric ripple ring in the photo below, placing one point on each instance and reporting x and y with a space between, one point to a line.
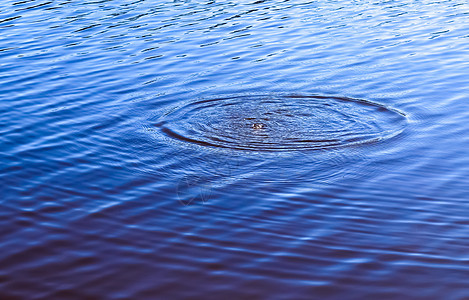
282 123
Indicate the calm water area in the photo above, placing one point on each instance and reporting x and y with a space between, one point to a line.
234 149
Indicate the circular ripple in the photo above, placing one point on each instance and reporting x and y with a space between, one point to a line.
282 123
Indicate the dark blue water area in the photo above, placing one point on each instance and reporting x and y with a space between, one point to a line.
234 149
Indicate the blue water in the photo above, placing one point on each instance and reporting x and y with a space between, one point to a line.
234 150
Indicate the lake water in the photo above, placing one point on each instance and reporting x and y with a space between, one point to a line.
234 149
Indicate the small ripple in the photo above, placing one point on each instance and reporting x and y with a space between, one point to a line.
9 19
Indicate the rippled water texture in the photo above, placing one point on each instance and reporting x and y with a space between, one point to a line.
234 149
263 123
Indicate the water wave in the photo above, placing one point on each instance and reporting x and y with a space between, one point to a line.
282 123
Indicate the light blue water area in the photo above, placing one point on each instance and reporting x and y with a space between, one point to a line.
244 150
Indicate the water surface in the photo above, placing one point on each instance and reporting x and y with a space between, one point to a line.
235 150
